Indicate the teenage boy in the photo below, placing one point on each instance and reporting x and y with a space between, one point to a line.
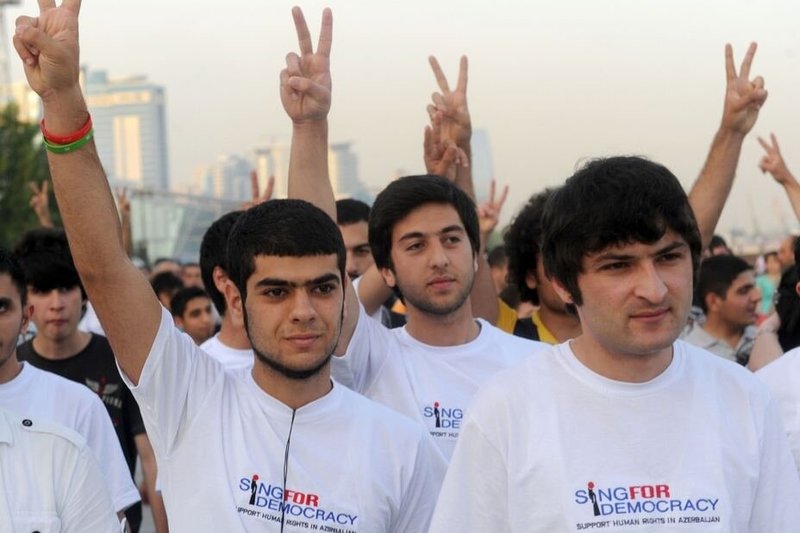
57 297
191 308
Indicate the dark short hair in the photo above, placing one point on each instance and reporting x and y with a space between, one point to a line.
523 241
717 273
213 253
611 201
182 298
166 282
283 228
11 267
404 195
47 261
716 241
350 211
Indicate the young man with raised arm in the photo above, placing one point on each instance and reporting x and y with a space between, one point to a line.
624 428
282 448
423 232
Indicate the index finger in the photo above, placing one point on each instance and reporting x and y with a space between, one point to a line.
34 187
462 75
326 33
303 35
730 70
44 5
437 72
744 72
764 144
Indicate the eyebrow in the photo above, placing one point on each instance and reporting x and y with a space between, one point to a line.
5 301
455 228
277 282
611 256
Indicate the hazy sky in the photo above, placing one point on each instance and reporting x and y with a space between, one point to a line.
552 82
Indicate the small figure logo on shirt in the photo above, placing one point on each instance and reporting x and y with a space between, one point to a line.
593 498
101 388
437 415
253 488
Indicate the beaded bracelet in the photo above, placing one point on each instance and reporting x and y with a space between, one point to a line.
70 147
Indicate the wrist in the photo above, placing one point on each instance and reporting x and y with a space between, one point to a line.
730 135
64 112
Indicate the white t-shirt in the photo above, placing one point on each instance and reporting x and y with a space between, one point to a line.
49 480
550 446
38 394
782 378
232 359
90 323
220 443
431 384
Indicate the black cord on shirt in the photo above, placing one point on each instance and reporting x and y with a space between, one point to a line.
286 469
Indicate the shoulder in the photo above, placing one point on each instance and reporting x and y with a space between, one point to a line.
717 374
369 413
510 342
66 392
783 370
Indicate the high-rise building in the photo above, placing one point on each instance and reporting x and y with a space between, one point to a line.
273 160
129 116
229 179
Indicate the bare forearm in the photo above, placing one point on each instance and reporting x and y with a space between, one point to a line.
127 234
150 474
308 166
90 219
793 193
709 193
464 174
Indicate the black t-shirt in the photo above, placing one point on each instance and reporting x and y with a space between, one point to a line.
95 368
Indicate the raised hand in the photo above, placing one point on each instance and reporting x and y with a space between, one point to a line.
442 157
40 202
743 97
48 47
306 80
489 211
452 105
773 162
257 197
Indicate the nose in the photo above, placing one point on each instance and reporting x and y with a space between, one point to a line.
350 264
55 299
650 285
302 307
437 257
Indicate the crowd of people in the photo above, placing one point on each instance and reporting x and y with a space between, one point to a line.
329 365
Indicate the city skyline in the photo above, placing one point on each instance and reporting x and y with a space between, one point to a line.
553 84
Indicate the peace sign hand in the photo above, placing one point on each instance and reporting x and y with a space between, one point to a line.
306 80
743 97
773 162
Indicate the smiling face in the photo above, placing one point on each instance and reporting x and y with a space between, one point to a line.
636 297
293 313
433 262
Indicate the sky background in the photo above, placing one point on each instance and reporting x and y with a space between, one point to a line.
554 83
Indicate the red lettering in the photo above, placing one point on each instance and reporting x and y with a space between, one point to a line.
312 500
662 491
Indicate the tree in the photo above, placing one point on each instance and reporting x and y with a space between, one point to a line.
22 161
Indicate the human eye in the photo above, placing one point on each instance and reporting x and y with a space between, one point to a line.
614 266
452 239
670 257
363 251
414 246
325 288
274 292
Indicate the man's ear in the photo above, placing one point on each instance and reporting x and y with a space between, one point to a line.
713 302
797 288
27 311
530 280
220 277
388 277
233 301
562 291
